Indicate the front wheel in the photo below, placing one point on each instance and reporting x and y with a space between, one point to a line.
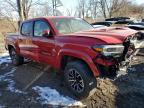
79 79
16 59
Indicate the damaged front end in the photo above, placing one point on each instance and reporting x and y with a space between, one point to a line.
115 59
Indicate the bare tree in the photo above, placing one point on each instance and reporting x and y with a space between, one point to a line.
69 12
20 10
7 13
109 7
14 10
137 10
81 8
93 8
55 4
50 7
24 7
12 24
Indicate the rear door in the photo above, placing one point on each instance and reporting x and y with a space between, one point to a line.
45 46
25 39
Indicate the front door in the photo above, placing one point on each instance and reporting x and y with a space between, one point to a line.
45 46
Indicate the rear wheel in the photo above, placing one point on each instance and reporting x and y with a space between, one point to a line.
16 59
79 80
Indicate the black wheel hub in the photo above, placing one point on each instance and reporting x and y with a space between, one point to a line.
75 80
13 56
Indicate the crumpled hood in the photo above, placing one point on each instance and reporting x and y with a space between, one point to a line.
111 35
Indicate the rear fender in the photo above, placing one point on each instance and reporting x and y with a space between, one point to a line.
14 46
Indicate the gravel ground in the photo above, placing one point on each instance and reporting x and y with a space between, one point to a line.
121 92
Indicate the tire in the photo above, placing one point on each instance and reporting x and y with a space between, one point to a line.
79 79
16 59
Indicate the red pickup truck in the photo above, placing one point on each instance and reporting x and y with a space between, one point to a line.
75 47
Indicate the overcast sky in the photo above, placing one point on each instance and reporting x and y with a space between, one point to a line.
139 1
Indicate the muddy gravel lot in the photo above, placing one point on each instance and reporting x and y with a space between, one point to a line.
34 85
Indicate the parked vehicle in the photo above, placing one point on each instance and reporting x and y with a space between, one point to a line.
75 47
112 23
139 23
117 19
124 22
136 26
99 26
139 27
105 23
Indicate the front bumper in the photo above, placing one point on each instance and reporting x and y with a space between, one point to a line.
113 66
128 62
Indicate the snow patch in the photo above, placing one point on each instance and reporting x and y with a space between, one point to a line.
132 69
11 84
52 97
4 58
4 54
2 106
122 71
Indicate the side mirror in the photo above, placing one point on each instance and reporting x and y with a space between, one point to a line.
46 33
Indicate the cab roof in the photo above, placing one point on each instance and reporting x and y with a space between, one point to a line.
47 18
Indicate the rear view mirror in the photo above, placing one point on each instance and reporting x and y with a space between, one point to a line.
46 33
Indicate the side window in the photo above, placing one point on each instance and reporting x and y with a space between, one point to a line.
26 29
39 27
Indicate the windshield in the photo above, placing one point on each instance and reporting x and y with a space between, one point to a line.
70 25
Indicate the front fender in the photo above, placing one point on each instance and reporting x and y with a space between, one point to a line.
80 55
